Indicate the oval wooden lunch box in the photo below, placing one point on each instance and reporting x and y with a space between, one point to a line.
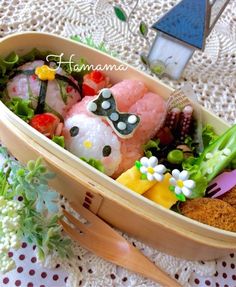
155 225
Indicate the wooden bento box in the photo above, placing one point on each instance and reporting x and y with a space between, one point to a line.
164 229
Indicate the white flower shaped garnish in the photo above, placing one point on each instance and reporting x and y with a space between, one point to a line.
181 182
151 168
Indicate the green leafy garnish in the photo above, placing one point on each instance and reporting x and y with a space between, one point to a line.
33 55
151 147
8 62
22 108
94 163
189 141
35 217
60 140
208 135
11 59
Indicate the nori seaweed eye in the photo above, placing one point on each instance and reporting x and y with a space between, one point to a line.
106 150
74 131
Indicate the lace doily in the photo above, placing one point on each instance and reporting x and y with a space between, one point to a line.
212 74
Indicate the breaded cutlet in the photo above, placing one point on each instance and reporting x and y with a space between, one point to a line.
214 212
230 197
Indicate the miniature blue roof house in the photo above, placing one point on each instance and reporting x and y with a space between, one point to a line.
180 32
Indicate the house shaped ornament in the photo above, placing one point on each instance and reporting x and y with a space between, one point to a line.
180 32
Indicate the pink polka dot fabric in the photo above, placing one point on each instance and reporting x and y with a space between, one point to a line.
29 273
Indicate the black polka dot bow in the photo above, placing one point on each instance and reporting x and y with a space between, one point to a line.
124 124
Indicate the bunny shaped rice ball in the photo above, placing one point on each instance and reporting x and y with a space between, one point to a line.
113 126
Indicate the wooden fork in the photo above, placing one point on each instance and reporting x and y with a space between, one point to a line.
99 238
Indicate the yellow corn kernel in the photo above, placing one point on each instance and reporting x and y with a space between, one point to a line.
161 194
132 179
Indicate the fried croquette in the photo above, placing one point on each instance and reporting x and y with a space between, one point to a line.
214 212
230 197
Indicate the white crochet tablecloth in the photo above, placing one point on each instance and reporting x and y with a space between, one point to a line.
213 77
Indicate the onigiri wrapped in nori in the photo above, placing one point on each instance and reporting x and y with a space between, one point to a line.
61 93
90 135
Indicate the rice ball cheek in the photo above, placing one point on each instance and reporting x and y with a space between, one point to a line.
90 137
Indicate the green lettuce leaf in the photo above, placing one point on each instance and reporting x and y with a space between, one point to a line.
208 135
151 147
94 163
60 140
22 108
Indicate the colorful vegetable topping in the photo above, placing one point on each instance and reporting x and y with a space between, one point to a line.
93 82
151 170
45 73
46 124
181 184
97 76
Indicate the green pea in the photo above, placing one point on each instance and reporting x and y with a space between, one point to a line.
175 156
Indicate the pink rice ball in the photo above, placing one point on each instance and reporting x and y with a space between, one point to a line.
131 96
28 87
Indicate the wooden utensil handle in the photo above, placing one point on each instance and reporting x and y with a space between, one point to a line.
148 269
